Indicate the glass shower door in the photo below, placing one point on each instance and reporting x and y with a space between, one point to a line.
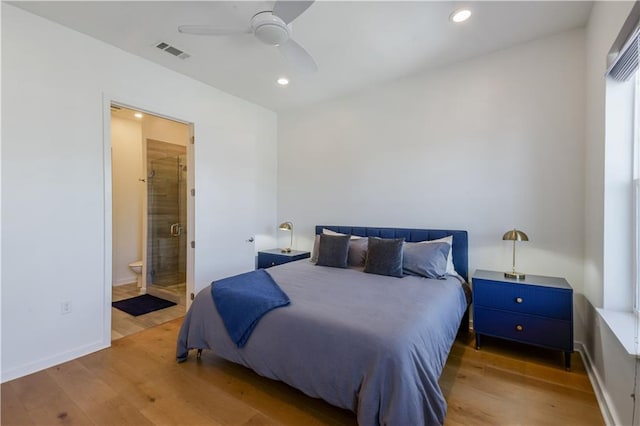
166 219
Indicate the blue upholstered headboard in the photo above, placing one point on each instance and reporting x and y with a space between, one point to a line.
460 241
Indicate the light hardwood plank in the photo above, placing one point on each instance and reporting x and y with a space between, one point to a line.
13 411
138 382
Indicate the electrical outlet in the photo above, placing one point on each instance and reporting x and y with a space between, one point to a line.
65 307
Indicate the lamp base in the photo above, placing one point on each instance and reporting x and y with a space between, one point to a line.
285 250
514 275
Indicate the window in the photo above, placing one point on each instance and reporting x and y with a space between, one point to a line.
622 173
636 192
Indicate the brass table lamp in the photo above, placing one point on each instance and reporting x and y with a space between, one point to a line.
287 226
514 235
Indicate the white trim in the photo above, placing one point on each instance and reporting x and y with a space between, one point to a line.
44 363
604 400
191 215
635 188
124 281
148 111
108 218
624 326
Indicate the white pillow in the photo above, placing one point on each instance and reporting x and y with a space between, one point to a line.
451 270
330 232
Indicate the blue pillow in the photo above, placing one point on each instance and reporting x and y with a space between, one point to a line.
425 260
333 250
384 256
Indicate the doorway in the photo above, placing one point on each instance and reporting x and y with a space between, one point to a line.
152 214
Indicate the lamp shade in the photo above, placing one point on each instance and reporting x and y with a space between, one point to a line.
286 226
515 235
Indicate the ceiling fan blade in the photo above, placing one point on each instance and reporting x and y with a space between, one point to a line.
290 10
211 30
297 56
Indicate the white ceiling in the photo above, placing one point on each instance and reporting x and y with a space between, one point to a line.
356 44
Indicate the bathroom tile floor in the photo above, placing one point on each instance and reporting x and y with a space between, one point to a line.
123 324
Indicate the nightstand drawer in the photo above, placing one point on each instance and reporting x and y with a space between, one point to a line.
551 333
528 299
269 258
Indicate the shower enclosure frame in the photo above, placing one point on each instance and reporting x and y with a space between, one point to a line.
147 239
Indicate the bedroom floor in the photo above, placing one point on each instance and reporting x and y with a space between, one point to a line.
511 383
137 381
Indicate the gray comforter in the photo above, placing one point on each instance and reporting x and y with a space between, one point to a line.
369 343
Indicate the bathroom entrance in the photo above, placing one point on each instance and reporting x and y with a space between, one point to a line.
152 204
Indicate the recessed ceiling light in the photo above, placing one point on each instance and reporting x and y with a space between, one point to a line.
283 81
460 15
138 115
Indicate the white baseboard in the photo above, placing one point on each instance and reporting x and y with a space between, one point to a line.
42 364
604 401
123 281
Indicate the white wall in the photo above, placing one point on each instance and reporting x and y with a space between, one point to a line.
164 130
483 145
128 191
614 368
54 180
514 138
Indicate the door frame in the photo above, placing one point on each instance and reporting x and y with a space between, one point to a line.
123 101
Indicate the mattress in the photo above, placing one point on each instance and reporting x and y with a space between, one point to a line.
369 343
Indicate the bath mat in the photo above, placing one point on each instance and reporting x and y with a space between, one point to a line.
141 305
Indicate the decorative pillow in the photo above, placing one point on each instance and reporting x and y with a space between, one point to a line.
451 270
333 250
314 252
425 260
316 242
357 251
384 256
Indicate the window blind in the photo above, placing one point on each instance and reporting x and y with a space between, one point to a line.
625 49
626 63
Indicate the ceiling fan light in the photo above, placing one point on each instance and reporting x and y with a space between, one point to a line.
269 29
271 34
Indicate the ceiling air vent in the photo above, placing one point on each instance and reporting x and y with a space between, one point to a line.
172 50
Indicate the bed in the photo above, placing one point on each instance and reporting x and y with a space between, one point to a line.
369 343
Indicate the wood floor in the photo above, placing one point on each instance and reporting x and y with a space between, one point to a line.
123 324
138 382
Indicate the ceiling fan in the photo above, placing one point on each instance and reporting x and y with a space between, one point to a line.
270 27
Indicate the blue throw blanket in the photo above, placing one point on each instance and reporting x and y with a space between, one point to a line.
243 299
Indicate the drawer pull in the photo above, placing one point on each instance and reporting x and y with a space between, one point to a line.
519 327
519 300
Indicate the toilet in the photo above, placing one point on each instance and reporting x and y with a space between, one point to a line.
137 268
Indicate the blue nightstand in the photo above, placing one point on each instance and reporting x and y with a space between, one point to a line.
536 310
269 258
